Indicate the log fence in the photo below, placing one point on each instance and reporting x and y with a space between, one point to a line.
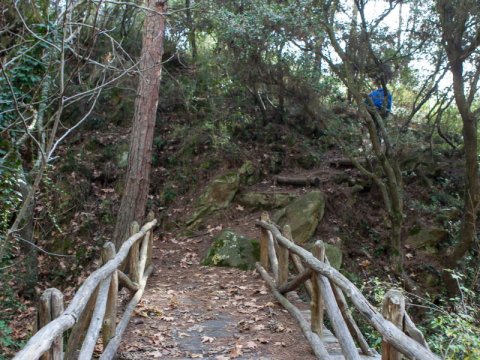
329 291
92 313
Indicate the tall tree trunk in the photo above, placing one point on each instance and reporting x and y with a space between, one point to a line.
191 29
137 181
29 279
471 196
454 21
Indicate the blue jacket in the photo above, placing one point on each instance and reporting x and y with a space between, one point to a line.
378 97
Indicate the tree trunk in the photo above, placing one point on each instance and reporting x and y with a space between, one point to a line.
191 29
471 197
458 47
29 279
137 181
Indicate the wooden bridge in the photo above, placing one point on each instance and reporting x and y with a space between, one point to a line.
92 314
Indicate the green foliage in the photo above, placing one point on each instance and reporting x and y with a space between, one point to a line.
454 331
451 333
6 340
455 335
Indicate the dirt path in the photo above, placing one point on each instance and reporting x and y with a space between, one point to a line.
192 311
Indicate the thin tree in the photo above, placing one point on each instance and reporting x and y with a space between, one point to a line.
459 24
137 180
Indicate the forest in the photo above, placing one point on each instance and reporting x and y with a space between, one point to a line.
112 109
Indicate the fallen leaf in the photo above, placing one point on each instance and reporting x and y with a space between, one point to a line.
236 351
207 339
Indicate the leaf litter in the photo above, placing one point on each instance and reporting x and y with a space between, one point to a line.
197 312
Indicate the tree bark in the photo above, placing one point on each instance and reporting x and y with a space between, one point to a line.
137 182
454 23
191 29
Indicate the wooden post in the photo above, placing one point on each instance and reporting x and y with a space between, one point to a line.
283 261
295 282
272 255
93 332
316 304
350 321
297 262
150 217
50 307
125 281
44 316
79 330
134 257
264 243
351 324
315 342
394 311
110 318
390 332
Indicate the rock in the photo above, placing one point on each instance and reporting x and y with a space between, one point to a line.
275 163
333 252
427 239
430 280
219 195
248 173
303 215
233 250
334 255
263 200
307 161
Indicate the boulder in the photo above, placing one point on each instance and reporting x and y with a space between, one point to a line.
218 195
303 215
233 250
332 251
263 200
427 239
334 255
247 173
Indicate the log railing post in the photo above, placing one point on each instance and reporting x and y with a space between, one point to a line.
134 255
150 217
264 243
110 318
394 311
316 304
297 263
283 262
79 330
50 307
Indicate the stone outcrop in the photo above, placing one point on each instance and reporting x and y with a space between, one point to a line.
233 250
303 215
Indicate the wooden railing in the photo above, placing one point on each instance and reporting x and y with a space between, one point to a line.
93 309
329 291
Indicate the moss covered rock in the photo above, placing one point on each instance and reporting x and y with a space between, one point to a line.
427 239
233 250
263 200
303 215
334 255
218 195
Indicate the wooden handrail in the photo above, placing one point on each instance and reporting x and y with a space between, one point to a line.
390 333
43 339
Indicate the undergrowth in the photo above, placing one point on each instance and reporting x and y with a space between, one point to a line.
451 332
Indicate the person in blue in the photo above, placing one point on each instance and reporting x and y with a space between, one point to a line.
378 99
382 104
